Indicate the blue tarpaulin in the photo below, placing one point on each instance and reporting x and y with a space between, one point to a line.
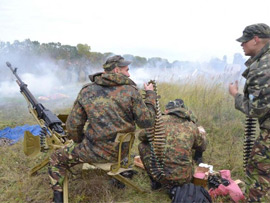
15 134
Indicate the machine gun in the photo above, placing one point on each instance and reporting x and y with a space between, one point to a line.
52 135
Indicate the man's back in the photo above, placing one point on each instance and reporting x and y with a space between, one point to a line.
111 105
108 106
181 137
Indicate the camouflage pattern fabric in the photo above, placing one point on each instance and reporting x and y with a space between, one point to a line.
256 103
182 135
258 170
115 61
256 99
64 158
260 29
184 112
109 105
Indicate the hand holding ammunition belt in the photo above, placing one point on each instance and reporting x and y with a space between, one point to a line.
157 141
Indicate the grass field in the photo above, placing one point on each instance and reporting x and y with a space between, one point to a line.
210 102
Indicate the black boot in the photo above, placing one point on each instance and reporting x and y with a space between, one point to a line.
155 185
57 197
116 183
129 174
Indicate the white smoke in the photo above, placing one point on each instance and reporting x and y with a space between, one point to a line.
46 80
9 89
181 74
52 81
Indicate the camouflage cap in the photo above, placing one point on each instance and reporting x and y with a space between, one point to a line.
115 61
178 108
178 103
261 30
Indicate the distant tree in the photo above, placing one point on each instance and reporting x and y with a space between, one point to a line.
238 59
129 57
157 62
98 59
107 54
139 61
84 50
224 59
68 52
218 64
2 44
50 49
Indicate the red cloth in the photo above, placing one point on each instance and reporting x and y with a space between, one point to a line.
232 189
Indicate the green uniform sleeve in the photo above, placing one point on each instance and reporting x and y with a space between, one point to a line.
142 135
256 102
144 111
76 121
200 141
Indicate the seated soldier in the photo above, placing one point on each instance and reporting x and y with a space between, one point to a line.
111 104
182 135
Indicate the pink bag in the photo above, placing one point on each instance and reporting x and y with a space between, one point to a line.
232 189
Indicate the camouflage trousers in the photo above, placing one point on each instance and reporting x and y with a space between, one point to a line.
258 170
66 157
145 155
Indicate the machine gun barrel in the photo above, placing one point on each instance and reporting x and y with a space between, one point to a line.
50 119
23 86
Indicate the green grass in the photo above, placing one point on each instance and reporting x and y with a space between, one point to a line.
212 105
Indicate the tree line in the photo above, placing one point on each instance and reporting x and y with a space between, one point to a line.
81 58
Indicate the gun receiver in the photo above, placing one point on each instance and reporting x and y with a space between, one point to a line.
52 135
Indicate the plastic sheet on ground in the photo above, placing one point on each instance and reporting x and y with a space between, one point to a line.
17 133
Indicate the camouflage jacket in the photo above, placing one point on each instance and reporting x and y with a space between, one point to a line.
111 104
256 99
182 135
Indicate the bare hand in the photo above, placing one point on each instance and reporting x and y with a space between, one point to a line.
233 88
148 87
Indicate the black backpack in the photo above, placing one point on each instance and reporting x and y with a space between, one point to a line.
190 193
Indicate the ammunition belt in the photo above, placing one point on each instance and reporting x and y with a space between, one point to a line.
249 138
157 141
42 137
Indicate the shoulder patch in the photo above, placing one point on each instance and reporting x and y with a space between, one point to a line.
251 97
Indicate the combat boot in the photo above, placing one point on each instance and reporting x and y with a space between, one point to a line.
57 197
155 185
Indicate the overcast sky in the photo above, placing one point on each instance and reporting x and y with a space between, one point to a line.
193 30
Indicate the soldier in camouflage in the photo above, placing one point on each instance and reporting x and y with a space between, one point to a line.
182 136
255 102
109 105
